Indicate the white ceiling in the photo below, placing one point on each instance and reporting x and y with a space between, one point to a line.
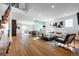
44 11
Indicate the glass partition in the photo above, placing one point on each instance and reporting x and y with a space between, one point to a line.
39 27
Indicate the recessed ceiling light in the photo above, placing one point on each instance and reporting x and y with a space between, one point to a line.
52 6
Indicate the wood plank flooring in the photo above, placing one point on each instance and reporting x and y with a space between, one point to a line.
25 45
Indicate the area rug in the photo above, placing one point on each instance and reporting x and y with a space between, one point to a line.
76 52
52 43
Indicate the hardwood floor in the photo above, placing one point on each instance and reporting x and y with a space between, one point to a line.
76 43
25 45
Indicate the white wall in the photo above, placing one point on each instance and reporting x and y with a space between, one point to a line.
26 28
75 27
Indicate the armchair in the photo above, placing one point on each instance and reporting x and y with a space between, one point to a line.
67 40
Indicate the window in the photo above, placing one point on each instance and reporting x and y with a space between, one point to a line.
69 23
